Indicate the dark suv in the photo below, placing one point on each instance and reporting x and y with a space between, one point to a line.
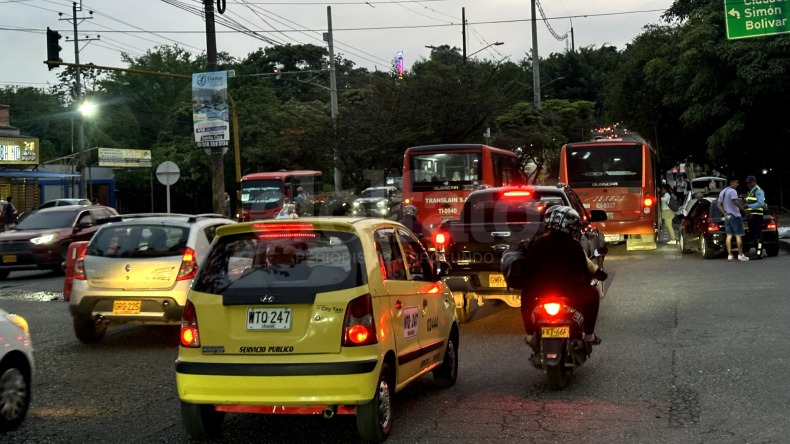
41 240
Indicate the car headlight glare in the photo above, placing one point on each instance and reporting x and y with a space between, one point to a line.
381 203
44 239
356 204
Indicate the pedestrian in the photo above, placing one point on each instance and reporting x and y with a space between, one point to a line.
301 195
682 168
682 187
731 207
755 209
227 205
667 214
675 171
9 214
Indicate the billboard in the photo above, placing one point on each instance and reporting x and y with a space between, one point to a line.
19 150
123 158
210 111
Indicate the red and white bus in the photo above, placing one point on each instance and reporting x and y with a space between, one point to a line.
616 176
437 179
263 194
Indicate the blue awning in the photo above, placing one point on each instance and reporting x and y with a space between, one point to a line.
36 174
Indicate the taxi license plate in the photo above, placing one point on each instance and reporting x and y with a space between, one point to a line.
555 332
9 259
278 319
126 307
496 280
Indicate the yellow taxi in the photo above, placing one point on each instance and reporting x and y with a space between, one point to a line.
320 316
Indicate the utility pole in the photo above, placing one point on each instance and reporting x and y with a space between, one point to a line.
216 153
333 97
535 60
78 93
463 31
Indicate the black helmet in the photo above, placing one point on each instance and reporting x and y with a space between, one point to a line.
409 210
564 219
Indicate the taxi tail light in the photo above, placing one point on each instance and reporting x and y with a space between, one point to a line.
190 337
552 308
189 265
359 327
79 266
712 225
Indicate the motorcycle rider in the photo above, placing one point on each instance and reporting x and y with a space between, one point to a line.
409 219
556 264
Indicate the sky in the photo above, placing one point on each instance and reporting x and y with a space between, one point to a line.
369 33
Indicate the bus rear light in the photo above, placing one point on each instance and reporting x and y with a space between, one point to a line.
441 239
648 202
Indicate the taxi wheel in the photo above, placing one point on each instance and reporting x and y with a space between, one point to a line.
88 330
374 419
14 393
446 374
464 314
201 420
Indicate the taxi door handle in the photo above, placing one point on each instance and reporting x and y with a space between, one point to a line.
424 305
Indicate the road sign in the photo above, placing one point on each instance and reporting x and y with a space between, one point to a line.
756 18
167 173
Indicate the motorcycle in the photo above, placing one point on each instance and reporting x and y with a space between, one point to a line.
559 329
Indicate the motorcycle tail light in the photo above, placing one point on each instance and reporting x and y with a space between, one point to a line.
552 308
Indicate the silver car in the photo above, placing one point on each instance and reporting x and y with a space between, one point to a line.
139 271
16 370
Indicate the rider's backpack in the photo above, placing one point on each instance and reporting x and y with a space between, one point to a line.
514 265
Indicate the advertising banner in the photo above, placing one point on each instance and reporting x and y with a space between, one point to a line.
116 157
19 151
210 112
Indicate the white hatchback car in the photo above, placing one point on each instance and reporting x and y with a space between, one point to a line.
138 271
16 370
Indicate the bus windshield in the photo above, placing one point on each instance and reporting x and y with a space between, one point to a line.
261 194
605 166
442 171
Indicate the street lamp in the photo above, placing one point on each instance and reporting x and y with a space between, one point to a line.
485 47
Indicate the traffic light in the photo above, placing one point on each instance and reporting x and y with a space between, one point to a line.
53 48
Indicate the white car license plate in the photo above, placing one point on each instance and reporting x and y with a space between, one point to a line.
496 280
269 319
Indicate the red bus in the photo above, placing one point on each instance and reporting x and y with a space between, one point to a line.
263 194
437 179
618 177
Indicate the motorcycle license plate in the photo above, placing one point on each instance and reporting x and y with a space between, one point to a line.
555 332
496 280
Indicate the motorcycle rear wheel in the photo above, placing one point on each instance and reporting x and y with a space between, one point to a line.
557 377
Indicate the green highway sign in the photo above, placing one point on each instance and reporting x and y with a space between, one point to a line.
756 18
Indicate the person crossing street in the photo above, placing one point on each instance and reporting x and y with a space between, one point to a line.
755 209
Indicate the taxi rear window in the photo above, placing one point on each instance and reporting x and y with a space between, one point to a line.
287 263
